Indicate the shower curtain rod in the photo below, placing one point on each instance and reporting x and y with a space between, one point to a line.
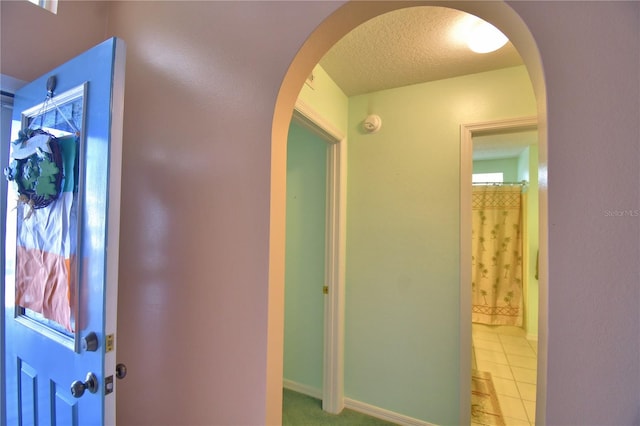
521 183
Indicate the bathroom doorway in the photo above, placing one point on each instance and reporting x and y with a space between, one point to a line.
504 341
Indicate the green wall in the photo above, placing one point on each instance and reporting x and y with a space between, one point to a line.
402 275
305 257
508 166
306 177
528 170
326 98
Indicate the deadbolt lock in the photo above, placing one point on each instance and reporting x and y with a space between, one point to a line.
90 342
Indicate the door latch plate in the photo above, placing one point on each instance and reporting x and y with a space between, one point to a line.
108 385
108 346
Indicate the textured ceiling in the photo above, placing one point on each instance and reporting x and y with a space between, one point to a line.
416 45
409 46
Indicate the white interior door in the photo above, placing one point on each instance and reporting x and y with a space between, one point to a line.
62 248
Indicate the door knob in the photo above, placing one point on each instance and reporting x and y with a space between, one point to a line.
90 384
121 371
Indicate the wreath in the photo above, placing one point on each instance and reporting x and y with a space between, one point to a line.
36 167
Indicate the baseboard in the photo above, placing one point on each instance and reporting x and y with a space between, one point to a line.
383 414
301 388
358 406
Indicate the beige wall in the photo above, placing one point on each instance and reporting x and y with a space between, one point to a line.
202 82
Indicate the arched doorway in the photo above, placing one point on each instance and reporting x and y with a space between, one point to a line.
336 26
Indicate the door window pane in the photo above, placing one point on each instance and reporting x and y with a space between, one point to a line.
45 167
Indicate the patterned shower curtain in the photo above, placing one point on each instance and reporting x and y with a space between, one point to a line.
497 255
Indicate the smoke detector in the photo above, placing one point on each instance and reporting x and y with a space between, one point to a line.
372 123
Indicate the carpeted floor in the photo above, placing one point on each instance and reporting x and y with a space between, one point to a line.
303 410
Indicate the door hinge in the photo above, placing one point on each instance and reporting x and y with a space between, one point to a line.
325 289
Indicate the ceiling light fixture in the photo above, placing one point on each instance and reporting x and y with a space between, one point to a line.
484 38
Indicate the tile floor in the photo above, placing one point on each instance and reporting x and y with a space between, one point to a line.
511 359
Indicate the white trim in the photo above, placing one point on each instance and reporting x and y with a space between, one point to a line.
525 255
360 407
383 414
335 243
113 224
307 116
303 389
467 131
488 127
466 171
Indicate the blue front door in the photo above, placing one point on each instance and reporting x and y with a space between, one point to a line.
62 243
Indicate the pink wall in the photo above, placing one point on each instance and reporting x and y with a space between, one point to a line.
591 55
194 299
202 79
34 40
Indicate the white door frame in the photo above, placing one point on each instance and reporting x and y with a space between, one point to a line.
467 132
335 244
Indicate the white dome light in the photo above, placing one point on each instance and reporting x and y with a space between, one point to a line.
485 38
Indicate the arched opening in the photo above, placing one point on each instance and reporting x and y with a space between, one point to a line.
339 24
